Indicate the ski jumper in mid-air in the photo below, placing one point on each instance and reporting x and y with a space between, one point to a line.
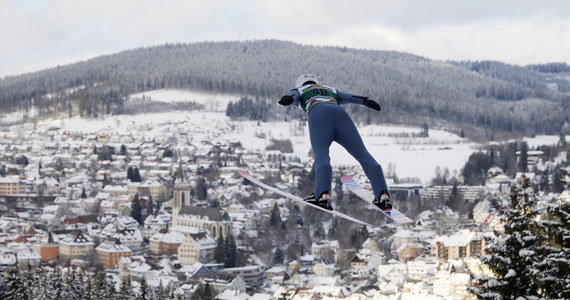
328 123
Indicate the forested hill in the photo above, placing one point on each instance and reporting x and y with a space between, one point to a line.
490 95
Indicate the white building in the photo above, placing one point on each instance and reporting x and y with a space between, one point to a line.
156 222
184 214
422 268
452 285
394 273
197 247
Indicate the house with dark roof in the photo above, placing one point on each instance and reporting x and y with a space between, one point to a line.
78 245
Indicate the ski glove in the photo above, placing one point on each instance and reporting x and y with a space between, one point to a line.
372 104
286 100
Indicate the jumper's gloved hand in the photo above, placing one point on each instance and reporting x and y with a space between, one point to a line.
372 104
286 100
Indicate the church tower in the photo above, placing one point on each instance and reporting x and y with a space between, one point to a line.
181 192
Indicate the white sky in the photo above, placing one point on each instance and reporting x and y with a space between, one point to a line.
37 34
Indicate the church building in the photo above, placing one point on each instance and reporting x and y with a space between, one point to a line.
184 213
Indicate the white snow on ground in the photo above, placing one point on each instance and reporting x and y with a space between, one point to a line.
211 102
540 140
17 115
410 157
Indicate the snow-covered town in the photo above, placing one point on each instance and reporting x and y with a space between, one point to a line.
161 202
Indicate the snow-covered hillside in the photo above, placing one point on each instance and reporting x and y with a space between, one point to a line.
211 102
392 146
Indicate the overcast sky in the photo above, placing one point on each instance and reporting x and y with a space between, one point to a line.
37 34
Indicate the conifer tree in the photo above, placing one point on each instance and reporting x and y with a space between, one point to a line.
68 281
511 254
144 292
161 292
41 290
358 236
78 286
230 249
201 192
15 285
100 285
54 283
136 176
219 252
2 286
197 295
123 150
149 206
206 292
125 289
553 273
110 291
88 294
275 218
278 257
130 174
136 209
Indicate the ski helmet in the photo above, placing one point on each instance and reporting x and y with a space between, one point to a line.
306 78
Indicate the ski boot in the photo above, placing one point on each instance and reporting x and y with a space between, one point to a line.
323 201
384 203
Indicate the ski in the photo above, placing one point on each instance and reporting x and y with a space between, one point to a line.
367 196
246 175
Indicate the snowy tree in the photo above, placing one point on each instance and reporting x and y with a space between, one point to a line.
55 283
16 285
511 254
486 94
553 272
219 251
72 285
130 173
201 191
41 290
275 217
136 175
163 292
206 292
319 231
125 291
476 167
230 252
136 209
89 292
2 286
101 286
123 150
334 229
278 257
149 206
358 236
145 292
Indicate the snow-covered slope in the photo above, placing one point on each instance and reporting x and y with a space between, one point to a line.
211 102
392 146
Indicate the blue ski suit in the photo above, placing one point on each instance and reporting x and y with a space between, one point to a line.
328 123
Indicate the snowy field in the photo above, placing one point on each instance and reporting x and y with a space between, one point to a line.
408 157
211 102
417 157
